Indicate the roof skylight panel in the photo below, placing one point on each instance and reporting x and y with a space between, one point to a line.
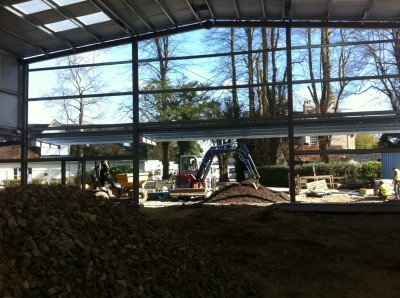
32 6
94 18
61 26
67 2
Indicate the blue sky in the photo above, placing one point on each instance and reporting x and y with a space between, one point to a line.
117 81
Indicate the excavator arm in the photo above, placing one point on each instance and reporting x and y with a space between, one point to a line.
192 183
239 148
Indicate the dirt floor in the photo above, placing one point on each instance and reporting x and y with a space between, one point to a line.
293 254
60 242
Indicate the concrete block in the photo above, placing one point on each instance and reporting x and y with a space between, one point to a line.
366 191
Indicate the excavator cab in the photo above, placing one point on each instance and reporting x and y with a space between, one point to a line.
188 168
189 164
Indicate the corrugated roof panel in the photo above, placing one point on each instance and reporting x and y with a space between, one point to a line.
108 31
348 10
133 20
224 9
313 9
273 9
151 9
48 42
385 10
176 5
250 8
17 25
172 14
48 16
6 16
8 41
78 36
183 15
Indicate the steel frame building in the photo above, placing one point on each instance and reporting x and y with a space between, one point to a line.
33 31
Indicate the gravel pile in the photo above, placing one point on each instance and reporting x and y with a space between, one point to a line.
247 192
63 242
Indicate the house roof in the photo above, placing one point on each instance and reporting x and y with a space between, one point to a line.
42 28
14 152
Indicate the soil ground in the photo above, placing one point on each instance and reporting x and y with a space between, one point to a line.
60 241
293 254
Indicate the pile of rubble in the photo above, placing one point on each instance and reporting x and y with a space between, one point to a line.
63 242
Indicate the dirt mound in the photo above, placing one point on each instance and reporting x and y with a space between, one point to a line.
291 254
247 192
60 241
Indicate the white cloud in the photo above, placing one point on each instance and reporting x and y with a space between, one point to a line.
367 101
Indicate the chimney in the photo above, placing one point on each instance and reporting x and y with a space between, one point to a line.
307 106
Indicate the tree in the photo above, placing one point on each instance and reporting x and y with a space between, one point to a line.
272 97
159 73
226 70
186 105
383 59
154 74
188 148
389 141
177 106
248 64
78 81
266 68
366 141
226 67
192 105
326 98
162 45
156 152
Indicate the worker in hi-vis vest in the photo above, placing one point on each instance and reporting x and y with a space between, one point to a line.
383 190
396 182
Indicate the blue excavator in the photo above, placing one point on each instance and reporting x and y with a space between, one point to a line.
194 180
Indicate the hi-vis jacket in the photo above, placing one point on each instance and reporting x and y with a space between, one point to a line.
396 175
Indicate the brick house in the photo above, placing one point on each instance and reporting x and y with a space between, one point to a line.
345 141
310 143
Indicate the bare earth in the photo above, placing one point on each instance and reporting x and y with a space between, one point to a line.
62 242
293 254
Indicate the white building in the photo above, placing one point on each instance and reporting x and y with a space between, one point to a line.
49 170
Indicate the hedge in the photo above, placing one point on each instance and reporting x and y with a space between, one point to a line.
364 173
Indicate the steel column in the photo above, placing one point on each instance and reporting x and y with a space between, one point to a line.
135 121
292 186
83 176
24 123
63 172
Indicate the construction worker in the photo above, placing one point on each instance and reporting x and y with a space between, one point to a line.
104 173
383 190
396 182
